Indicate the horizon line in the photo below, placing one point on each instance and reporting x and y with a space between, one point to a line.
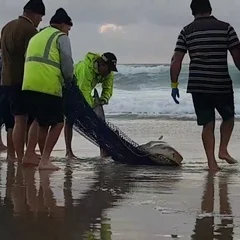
230 63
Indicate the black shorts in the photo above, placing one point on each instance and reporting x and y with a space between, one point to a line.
30 120
17 102
6 116
205 105
46 109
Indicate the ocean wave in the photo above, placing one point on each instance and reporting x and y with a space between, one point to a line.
156 103
138 69
144 90
137 77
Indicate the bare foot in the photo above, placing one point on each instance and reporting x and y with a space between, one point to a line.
48 166
227 158
3 148
71 156
214 169
31 160
213 166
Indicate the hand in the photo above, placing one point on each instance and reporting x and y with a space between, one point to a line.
175 94
100 103
68 83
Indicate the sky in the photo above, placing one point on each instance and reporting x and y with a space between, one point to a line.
137 31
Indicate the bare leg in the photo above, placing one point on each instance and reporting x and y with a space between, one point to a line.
52 137
226 132
68 133
31 190
11 157
2 146
103 154
19 132
48 195
27 135
30 156
42 135
208 139
100 113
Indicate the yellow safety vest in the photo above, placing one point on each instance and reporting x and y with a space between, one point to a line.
42 71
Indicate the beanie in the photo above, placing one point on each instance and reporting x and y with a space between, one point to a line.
36 6
200 6
60 17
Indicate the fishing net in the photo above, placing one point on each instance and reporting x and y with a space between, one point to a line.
105 134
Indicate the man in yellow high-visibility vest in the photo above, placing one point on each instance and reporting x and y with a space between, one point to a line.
48 66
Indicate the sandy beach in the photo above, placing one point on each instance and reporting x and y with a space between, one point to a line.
95 199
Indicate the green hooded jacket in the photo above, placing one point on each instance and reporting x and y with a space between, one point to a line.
86 73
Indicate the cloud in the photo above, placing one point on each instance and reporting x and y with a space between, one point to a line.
135 30
110 27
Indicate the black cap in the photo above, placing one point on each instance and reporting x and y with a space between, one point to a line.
36 6
200 7
111 60
60 17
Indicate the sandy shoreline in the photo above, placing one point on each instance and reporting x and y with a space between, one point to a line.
111 201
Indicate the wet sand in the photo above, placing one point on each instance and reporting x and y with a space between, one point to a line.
96 199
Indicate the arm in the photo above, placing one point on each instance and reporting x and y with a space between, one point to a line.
84 78
176 66
234 46
107 89
176 62
66 60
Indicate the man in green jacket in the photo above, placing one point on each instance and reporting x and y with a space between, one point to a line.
94 69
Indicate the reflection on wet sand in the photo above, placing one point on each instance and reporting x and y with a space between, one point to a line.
30 207
31 213
206 227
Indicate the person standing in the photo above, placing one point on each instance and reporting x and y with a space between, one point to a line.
15 37
48 68
208 41
2 146
7 119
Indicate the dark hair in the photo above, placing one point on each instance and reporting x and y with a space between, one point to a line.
200 7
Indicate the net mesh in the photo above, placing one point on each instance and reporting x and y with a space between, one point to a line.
105 134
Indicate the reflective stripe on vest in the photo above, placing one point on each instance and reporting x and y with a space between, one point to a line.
45 58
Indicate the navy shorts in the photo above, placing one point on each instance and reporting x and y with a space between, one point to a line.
46 109
205 105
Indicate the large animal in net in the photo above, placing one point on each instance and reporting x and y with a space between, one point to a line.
110 138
